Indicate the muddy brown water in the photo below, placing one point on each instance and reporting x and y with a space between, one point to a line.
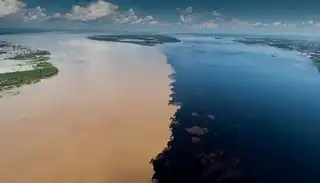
100 120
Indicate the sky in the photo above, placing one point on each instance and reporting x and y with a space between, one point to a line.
254 15
247 8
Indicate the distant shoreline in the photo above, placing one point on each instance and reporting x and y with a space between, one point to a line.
140 39
307 48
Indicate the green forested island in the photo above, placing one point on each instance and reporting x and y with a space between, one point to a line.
21 65
140 39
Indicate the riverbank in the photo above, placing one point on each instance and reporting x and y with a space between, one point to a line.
21 65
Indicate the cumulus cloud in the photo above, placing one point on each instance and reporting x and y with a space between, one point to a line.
130 17
259 24
16 11
127 17
238 21
214 19
310 22
207 19
186 18
8 7
57 16
188 9
103 12
92 11
189 16
210 25
186 15
277 23
149 18
106 12
154 22
37 13
215 13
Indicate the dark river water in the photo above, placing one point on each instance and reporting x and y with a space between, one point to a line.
266 107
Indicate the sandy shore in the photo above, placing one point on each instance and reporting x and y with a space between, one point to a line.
99 121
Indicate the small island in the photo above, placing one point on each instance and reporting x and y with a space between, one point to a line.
140 39
21 65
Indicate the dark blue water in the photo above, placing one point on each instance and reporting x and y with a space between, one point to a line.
266 108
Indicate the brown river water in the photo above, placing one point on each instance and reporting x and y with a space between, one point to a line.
100 120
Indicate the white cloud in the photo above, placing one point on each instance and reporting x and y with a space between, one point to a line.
215 13
15 10
37 13
149 18
259 24
291 24
130 17
310 22
207 18
186 18
105 12
8 7
92 11
277 23
186 15
188 9
127 17
210 24
238 21
57 16
154 22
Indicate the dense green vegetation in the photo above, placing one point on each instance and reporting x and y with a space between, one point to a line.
140 39
16 79
32 55
38 61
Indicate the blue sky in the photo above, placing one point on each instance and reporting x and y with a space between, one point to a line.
281 15
244 8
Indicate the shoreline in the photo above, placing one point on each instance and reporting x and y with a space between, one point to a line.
22 65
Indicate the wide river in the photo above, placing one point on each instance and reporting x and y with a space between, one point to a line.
100 120
266 107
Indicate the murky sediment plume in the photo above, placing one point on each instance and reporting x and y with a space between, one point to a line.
100 120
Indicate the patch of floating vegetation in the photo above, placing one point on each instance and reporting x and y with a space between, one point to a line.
140 39
309 48
21 65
